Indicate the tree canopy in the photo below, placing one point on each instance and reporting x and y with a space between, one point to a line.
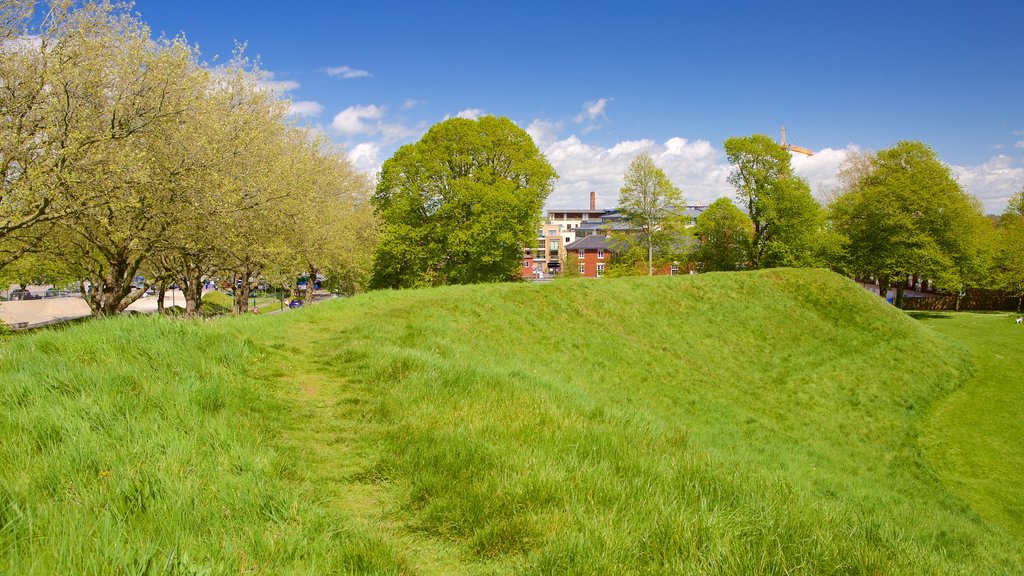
653 207
787 220
723 232
908 215
127 156
459 205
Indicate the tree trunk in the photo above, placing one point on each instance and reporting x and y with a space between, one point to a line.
899 295
310 285
883 289
192 287
161 291
110 292
1019 298
241 285
650 257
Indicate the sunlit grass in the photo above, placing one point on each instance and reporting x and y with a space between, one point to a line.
748 423
974 436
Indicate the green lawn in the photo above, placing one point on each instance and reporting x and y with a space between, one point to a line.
745 423
975 437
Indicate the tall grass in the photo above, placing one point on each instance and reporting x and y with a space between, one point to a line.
755 423
151 446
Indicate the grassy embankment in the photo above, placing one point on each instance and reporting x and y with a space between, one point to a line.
760 423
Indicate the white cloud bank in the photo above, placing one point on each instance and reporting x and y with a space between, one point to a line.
993 182
701 170
353 120
365 156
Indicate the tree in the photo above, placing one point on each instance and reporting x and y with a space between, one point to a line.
724 232
908 215
1008 260
653 206
787 219
458 206
571 266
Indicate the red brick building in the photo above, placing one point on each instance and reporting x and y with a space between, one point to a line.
594 253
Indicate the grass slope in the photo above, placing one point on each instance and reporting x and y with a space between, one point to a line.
755 423
974 435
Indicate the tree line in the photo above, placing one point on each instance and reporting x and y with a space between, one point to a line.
125 156
896 213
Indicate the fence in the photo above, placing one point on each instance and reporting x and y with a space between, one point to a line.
974 299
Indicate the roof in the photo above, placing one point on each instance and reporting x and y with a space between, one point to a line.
592 242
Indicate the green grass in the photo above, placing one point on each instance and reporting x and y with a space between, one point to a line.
747 423
974 436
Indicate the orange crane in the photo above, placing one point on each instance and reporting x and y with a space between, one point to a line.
793 148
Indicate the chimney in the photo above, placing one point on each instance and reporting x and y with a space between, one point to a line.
593 200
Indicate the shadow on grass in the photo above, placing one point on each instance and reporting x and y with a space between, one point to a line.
927 315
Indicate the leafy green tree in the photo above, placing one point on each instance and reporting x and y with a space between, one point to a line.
571 266
723 232
653 206
908 215
787 220
1008 257
131 183
458 206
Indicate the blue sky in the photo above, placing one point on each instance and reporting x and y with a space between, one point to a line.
597 82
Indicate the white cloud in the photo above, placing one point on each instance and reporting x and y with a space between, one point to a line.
543 132
469 113
593 110
821 170
390 133
347 72
993 182
592 115
1019 144
696 167
305 109
411 103
365 156
270 83
352 120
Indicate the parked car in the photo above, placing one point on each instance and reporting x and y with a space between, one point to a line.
295 303
22 295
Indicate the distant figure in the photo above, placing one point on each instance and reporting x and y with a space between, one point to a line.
1021 319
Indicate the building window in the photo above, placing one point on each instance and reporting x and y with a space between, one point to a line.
553 245
581 253
600 254
600 270
582 269
566 239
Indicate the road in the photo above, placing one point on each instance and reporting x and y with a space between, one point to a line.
33 313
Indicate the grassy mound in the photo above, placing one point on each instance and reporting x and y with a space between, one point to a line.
216 303
720 424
